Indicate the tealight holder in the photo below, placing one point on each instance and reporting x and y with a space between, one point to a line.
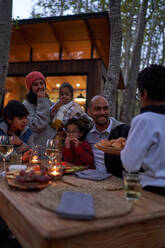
56 172
35 157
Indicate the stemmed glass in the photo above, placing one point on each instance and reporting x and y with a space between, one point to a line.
5 150
51 150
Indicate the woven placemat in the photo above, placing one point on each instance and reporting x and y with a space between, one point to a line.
106 204
111 183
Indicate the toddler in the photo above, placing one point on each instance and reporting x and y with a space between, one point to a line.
65 108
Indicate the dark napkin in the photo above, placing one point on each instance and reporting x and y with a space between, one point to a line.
76 205
93 175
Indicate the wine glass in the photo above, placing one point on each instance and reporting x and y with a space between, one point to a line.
5 150
51 150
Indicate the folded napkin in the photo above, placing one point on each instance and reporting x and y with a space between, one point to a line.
76 205
93 175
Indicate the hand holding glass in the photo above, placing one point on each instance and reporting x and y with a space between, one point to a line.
6 148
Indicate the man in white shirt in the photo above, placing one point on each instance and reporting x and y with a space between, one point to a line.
103 124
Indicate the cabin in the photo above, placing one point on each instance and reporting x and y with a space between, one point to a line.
72 49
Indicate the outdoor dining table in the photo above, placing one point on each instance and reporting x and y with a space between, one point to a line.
37 227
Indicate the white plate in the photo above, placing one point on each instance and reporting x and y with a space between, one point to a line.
14 167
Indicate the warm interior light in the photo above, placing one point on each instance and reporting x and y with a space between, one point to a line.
80 98
78 85
58 85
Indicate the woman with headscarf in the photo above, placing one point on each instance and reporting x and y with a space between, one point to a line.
38 106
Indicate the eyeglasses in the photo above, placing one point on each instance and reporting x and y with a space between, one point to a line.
72 132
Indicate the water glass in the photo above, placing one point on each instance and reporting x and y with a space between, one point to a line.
132 186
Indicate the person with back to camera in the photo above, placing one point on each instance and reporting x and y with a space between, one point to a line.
145 145
76 151
14 123
38 106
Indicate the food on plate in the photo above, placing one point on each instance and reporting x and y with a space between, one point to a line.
64 163
116 143
36 167
33 177
72 169
106 142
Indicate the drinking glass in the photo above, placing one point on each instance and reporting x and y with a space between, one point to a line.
35 157
5 150
51 150
16 157
132 186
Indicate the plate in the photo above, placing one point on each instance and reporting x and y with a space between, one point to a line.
27 186
73 169
108 149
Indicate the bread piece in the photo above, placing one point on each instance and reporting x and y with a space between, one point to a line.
105 142
120 140
116 145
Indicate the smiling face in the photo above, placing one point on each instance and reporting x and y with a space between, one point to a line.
18 123
73 131
65 95
99 111
38 85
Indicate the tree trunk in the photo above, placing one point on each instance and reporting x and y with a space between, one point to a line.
129 99
5 32
110 88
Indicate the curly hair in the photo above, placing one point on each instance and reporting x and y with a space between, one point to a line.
67 85
152 79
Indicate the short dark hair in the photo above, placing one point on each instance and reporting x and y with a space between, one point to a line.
67 85
152 79
75 122
13 109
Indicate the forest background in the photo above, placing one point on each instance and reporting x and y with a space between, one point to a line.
137 40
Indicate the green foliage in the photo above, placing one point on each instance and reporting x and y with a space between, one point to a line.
152 49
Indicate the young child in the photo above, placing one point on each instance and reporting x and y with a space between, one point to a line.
14 123
145 145
65 108
76 151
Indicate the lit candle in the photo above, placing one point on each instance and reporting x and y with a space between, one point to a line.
56 172
35 159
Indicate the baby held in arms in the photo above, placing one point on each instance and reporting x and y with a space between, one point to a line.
75 151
